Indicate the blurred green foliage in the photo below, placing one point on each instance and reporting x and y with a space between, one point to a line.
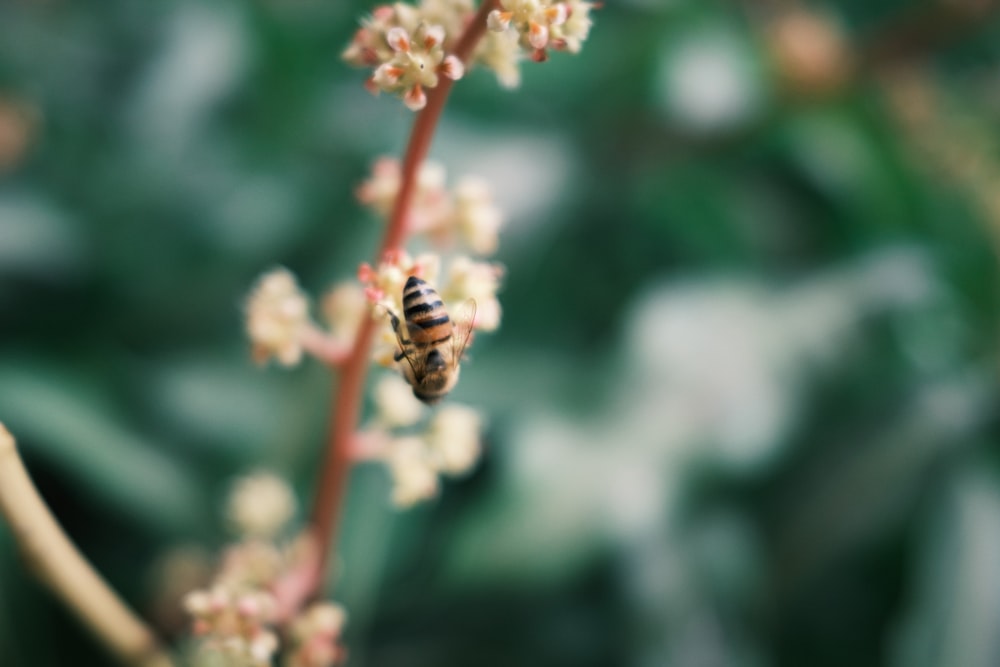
742 403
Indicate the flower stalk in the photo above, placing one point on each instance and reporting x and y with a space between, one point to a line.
345 413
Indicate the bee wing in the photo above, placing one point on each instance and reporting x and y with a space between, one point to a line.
465 317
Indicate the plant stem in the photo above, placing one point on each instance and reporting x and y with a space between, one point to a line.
59 565
332 483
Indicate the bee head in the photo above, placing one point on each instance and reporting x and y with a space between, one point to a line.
435 385
435 362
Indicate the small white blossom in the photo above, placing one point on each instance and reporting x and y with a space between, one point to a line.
501 52
315 634
454 438
413 473
407 51
344 307
476 280
571 33
468 213
430 202
395 402
277 313
263 646
540 24
476 216
252 563
197 603
260 505
232 626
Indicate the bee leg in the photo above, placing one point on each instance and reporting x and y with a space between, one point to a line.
394 320
404 342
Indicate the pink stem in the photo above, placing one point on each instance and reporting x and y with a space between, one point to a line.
346 409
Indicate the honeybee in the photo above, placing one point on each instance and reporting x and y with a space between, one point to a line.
433 343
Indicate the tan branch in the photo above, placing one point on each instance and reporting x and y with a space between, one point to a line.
57 563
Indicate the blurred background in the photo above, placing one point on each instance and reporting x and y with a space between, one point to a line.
742 405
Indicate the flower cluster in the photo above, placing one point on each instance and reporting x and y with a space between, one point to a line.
407 51
273 333
260 505
254 597
540 24
314 637
446 444
467 213
277 314
235 627
463 280
406 45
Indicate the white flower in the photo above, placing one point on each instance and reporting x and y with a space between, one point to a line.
197 603
430 202
315 633
276 315
250 563
395 402
233 626
500 52
260 505
413 474
263 646
454 438
571 33
327 618
476 280
539 24
414 59
344 307
476 216
468 213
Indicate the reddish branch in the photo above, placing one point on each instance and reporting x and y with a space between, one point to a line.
332 482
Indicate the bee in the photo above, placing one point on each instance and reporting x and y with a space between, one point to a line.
431 342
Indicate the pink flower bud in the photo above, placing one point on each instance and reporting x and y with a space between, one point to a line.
452 68
415 99
538 35
398 39
498 21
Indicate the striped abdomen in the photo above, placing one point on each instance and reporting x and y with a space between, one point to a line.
427 321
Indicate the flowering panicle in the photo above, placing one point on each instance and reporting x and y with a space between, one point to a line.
234 627
314 636
540 24
468 213
430 204
406 45
252 601
260 602
407 52
277 314
448 444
